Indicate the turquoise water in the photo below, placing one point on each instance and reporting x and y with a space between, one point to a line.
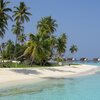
89 63
80 88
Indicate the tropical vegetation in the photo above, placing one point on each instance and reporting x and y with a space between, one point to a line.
73 49
4 17
31 49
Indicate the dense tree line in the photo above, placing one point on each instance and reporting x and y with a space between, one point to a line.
41 47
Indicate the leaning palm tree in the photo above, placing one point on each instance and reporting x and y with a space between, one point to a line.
73 49
47 25
4 17
21 13
38 50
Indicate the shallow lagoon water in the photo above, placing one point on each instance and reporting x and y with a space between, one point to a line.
80 88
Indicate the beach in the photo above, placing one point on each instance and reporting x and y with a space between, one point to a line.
27 75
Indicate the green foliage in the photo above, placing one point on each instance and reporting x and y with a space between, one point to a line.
21 13
4 17
19 52
43 47
22 65
8 50
47 26
40 48
22 38
17 29
73 49
61 44
59 59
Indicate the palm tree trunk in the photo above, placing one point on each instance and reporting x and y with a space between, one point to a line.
15 47
1 3
32 62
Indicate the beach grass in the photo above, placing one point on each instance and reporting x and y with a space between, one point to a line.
21 65
15 65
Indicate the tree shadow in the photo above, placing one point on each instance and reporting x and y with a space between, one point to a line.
52 69
25 71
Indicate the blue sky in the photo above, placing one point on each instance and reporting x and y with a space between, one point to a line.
79 19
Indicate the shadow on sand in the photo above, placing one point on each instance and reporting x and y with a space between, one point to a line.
26 71
59 70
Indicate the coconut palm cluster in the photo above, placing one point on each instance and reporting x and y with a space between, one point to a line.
38 48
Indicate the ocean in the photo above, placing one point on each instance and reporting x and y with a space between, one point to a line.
78 88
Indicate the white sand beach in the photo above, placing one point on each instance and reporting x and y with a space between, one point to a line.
36 74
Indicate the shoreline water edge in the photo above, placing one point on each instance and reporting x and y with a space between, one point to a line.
19 76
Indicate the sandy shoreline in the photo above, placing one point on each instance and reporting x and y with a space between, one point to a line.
27 75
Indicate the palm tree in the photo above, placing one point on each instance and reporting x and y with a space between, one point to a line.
20 16
38 49
17 30
53 43
21 13
3 27
3 45
4 17
22 38
10 49
47 25
73 49
61 44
